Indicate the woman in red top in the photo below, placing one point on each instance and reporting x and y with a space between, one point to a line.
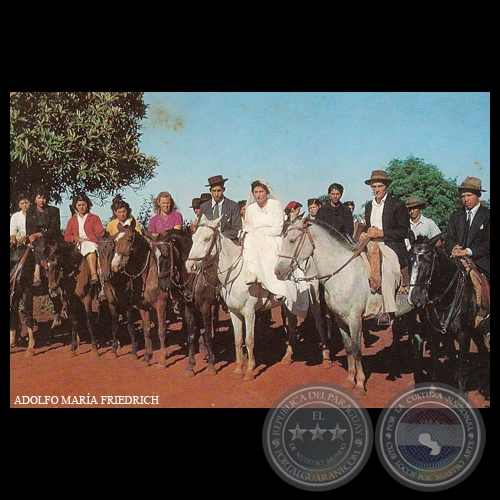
80 230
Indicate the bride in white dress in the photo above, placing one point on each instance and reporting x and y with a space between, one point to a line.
261 245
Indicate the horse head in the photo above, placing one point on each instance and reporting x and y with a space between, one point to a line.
53 270
204 243
106 252
423 260
124 241
296 246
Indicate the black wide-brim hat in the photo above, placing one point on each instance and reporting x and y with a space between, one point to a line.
216 180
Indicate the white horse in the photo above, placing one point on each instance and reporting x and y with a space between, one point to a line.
241 299
345 279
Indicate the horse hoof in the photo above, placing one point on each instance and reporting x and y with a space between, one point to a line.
162 366
327 364
72 354
189 374
391 377
95 352
30 352
359 392
286 361
211 370
249 377
238 375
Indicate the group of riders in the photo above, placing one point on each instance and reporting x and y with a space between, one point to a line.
257 225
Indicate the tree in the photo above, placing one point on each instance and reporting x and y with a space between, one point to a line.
77 141
413 177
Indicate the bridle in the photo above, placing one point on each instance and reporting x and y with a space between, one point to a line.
208 254
456 305
302 240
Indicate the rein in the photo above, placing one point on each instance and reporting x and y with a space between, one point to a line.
19 266
359 249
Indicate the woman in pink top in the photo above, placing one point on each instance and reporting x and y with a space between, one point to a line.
167 217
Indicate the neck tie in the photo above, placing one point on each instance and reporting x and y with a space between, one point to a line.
469 218
216 210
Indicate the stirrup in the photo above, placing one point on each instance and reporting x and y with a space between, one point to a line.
384 319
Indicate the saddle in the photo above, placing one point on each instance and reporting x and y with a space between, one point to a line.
481 286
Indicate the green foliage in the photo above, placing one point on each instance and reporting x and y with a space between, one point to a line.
77 141
146 212
413 177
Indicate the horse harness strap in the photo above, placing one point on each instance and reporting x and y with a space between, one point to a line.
359 248
19 266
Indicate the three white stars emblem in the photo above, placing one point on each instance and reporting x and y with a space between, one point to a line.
317 433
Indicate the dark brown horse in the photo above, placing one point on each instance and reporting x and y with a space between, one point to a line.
198 293
69 277
443 294
117 289
22 266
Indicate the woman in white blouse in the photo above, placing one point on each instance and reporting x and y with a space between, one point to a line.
18 221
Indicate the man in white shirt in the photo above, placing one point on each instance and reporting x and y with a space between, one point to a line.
420 224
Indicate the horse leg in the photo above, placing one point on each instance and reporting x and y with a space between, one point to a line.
131 331
463 360
58 305
249 343
87 302
146 328
237 321
28 313
320 327
292 335
114 328
75 339
352 343
191 327
161 311
398 331
208 337
15 320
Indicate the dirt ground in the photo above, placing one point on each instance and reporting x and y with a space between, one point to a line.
87 381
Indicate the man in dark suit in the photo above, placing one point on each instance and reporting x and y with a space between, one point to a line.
468 232
219 205
388 224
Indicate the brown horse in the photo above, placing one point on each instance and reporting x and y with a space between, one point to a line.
117 289
22 266
140 259
69 277
198 293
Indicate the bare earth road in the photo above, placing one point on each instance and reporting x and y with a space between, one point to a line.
87 381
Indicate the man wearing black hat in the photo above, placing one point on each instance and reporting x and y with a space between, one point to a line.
468 232
220 206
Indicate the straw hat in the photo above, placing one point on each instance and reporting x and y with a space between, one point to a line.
471 183
415 202
380 176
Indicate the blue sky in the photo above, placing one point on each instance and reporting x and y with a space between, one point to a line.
301 142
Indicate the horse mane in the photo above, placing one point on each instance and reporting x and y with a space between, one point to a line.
182 241
71 258
331 231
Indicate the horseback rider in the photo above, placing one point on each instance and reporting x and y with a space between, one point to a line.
387 223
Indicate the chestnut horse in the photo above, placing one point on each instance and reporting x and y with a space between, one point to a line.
140 259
